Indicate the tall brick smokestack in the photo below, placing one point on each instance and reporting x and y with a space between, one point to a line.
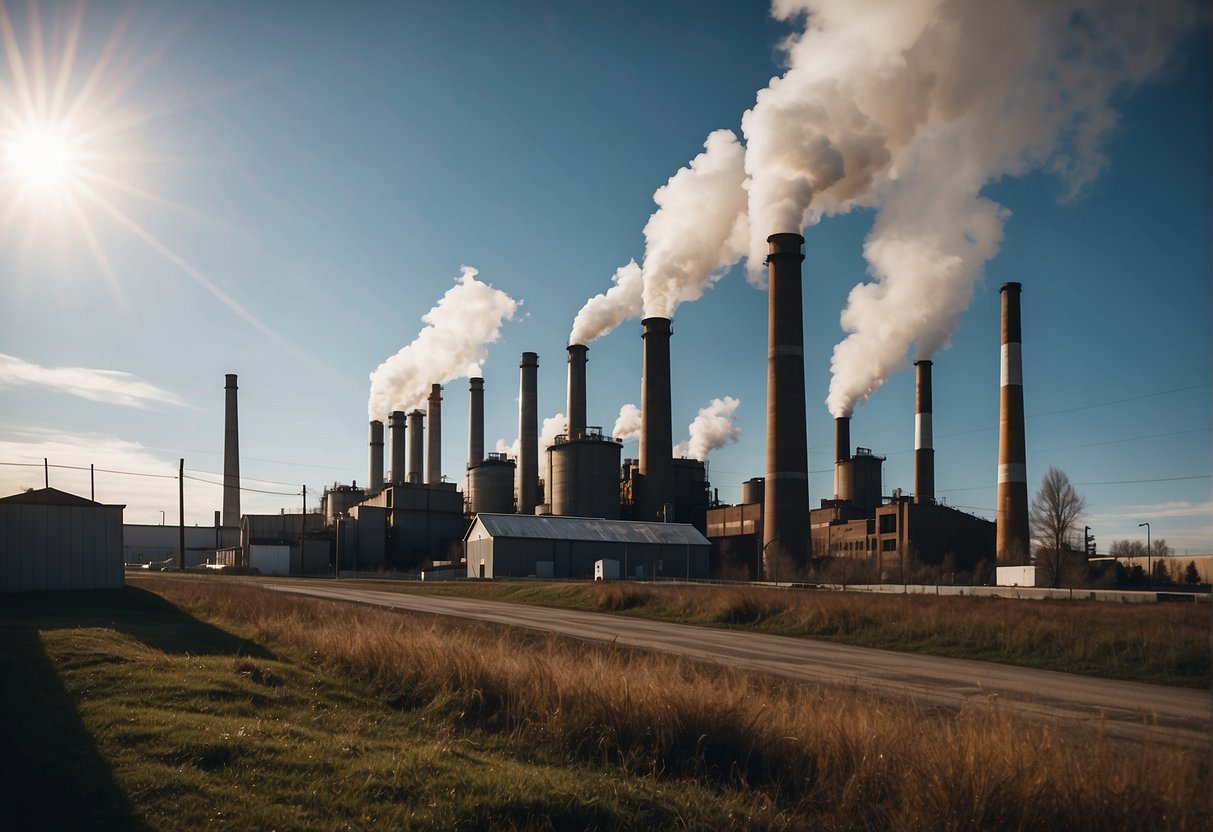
396 434
924 449
785 527
842 453
433 446
656 423
231 455
475 421
1012 542
528 433
376 446
416 444
576 389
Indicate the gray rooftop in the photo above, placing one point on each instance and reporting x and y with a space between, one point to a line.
551 527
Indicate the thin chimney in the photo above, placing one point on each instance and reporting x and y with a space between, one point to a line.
475 421
231 456
785 532
433 448
842 455
396 432
924 450
1012 545
416 443
528 434
576 389
656 429
376 449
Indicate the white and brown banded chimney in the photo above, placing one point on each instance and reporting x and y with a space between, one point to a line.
1012 540
924 449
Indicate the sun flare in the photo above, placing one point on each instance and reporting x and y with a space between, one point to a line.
43 160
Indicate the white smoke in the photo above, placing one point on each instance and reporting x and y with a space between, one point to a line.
697 232
627 426
452 345
602 313
551 427
713 428
912 107
699 229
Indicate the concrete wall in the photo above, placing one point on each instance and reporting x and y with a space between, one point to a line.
60 547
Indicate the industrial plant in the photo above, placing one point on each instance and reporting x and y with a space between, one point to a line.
579 509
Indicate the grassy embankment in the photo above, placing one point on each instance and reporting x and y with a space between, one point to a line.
214 703
1166 644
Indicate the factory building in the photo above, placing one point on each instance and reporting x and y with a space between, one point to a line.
520 546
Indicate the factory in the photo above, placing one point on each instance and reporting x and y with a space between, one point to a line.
563 511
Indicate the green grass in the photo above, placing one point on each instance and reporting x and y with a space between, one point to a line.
1165 644
122 711
194 702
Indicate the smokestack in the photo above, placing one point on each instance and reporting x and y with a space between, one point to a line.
576 389
475 422
785 527
924 450
1012 544
376 456
231 455
842 453
416 443
396 426
656 429
528 434
433 448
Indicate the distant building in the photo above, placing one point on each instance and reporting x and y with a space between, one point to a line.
50 539
549 546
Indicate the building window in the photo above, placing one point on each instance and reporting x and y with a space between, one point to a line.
889 545
888 523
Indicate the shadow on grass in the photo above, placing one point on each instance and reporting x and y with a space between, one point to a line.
51 773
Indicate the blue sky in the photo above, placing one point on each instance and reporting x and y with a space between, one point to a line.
329 173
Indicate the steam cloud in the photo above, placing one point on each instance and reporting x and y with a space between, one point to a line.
452 345
912 108
697 232
627 426
713 428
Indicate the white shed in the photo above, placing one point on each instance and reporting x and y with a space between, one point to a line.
50 539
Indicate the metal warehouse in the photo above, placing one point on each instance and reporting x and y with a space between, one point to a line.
546 546
50 539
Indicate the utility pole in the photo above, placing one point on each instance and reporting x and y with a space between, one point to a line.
92 487
302 527
46 472
181 517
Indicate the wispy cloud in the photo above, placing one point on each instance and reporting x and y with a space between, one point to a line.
1177 508
110 386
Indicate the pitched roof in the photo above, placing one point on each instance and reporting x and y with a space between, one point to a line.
47 497
552 527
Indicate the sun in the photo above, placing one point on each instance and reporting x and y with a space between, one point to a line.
42 160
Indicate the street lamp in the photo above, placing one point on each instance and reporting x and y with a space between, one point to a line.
1149 565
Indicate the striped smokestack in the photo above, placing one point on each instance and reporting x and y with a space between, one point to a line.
231 455
842 453
576 389
924 450
433 447
416 444
475 422
785 527
1012 544
528 433
656 429
376 472
399 450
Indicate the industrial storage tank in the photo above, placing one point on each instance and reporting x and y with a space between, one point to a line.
859 479
752 490
583 475
339 499
490 487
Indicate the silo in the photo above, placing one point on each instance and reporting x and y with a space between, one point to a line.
751 491
491 486
583 476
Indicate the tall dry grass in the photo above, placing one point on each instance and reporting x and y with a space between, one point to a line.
828 758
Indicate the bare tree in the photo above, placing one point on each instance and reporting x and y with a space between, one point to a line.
1056 509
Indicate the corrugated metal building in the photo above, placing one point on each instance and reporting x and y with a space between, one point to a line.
519 546
50 539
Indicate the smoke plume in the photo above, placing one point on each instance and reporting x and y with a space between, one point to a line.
697 232
452 345
912 108
602 313
713 428
627 426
